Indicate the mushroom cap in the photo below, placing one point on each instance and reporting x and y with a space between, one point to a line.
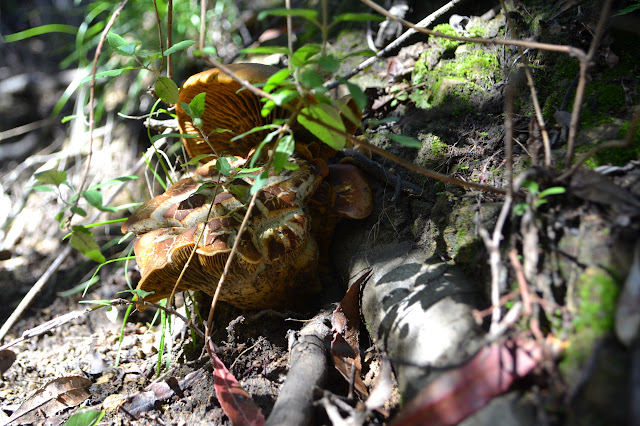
227 108
276 252
231 110
345 192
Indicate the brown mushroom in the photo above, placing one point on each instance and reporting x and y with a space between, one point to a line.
277 256
229 111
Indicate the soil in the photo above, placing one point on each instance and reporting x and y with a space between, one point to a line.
448 95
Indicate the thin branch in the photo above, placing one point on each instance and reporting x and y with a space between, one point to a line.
356 141
396 43
169 37
534 95
159 24
631 131
585 63
570 50
522 281
203 28
92 92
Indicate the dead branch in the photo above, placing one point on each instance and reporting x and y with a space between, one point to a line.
308 368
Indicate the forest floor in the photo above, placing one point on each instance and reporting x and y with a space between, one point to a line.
561 263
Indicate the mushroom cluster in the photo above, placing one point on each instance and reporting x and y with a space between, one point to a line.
185 235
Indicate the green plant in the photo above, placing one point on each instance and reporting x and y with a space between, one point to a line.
538 197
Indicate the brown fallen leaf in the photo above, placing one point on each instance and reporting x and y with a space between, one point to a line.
345 346
158 392
7 359
53 397
235 401
460 392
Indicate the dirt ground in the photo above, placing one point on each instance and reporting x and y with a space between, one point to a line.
583 240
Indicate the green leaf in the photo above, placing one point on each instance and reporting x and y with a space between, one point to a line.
120 45
115 181
51 177
356 17
311 79
283 151
555 190
329 63
93 197
42 29
301 56
83 286
261 179
167 90
284 96
141 293
85 417
266 50
405 140
42 188
82 240
179 46
110 73
357 95
223 166
197 105
209 50
68 118
195 160
308 14
276 79
325 114
171 135
79 211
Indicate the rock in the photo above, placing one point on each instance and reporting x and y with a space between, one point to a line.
418 309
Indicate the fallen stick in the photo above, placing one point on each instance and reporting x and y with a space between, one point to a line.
309 367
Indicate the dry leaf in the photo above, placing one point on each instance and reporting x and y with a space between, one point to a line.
235 401
7 359
158 392
345 346
53 397
462 391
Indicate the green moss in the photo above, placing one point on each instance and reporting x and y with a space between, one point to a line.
596 302
444 43
598 292
456 82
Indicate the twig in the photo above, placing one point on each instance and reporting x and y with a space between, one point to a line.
169 37
495 262
585 63
203 20
308 368
34 291
570 50
92 93
26 128
159 25
356 141
522 281
394 44
631 131
532 88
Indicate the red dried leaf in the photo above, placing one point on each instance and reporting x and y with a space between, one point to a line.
235 401
460 392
